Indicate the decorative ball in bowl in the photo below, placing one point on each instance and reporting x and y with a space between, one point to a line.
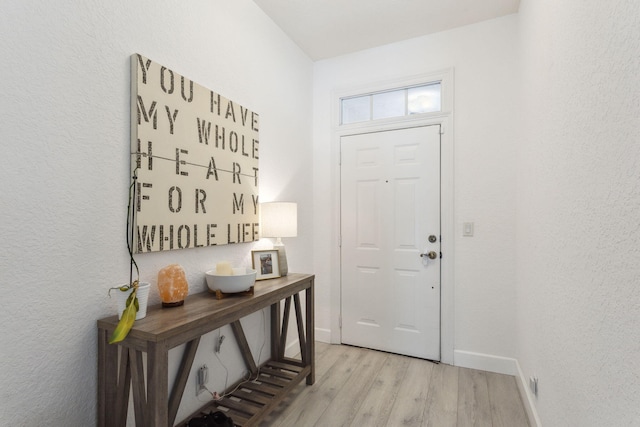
241 280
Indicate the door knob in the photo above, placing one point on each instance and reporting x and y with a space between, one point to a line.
430 255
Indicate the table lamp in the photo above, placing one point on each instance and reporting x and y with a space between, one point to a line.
279 219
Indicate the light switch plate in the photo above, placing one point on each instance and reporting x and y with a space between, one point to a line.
467 229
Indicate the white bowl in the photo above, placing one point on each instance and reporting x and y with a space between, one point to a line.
242 280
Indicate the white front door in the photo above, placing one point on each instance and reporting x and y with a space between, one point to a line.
390 222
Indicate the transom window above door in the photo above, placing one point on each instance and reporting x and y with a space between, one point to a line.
391 103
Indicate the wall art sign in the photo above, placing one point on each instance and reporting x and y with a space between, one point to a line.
195 155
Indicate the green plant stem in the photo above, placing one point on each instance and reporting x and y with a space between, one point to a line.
131 215
128 316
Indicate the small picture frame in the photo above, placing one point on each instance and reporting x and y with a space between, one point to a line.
265 262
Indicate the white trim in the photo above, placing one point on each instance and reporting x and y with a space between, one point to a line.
323 335
485 362
292 349
443 118
445 77
501 365
527 399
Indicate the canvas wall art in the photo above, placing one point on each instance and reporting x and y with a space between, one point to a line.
195 154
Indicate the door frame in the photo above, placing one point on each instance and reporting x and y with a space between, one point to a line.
443 118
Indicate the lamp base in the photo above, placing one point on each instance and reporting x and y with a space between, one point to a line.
282 258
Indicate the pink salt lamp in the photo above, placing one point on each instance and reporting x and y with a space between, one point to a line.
173 285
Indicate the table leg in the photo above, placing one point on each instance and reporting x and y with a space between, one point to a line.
311 338
107 379
157 385
275 331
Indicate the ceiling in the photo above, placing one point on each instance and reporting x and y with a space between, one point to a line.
327 28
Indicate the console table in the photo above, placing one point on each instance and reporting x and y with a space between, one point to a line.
121 370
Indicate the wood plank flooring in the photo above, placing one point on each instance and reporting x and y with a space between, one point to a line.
365 388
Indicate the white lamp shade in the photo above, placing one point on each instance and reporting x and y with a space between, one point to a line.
279 219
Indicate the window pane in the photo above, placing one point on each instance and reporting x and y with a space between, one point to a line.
424 99
356 109
388 104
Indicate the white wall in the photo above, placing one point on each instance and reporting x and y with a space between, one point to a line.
486 84
65 174
578 216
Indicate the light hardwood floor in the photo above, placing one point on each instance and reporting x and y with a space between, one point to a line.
362 388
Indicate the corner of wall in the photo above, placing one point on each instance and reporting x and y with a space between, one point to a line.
527 399
323 335
501 365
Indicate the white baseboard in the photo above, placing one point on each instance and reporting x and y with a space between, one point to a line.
527 399
485 362
501 365
323 335
292 349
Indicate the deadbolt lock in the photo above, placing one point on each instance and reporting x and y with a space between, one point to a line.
433 239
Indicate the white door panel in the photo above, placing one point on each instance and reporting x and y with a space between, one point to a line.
390 205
